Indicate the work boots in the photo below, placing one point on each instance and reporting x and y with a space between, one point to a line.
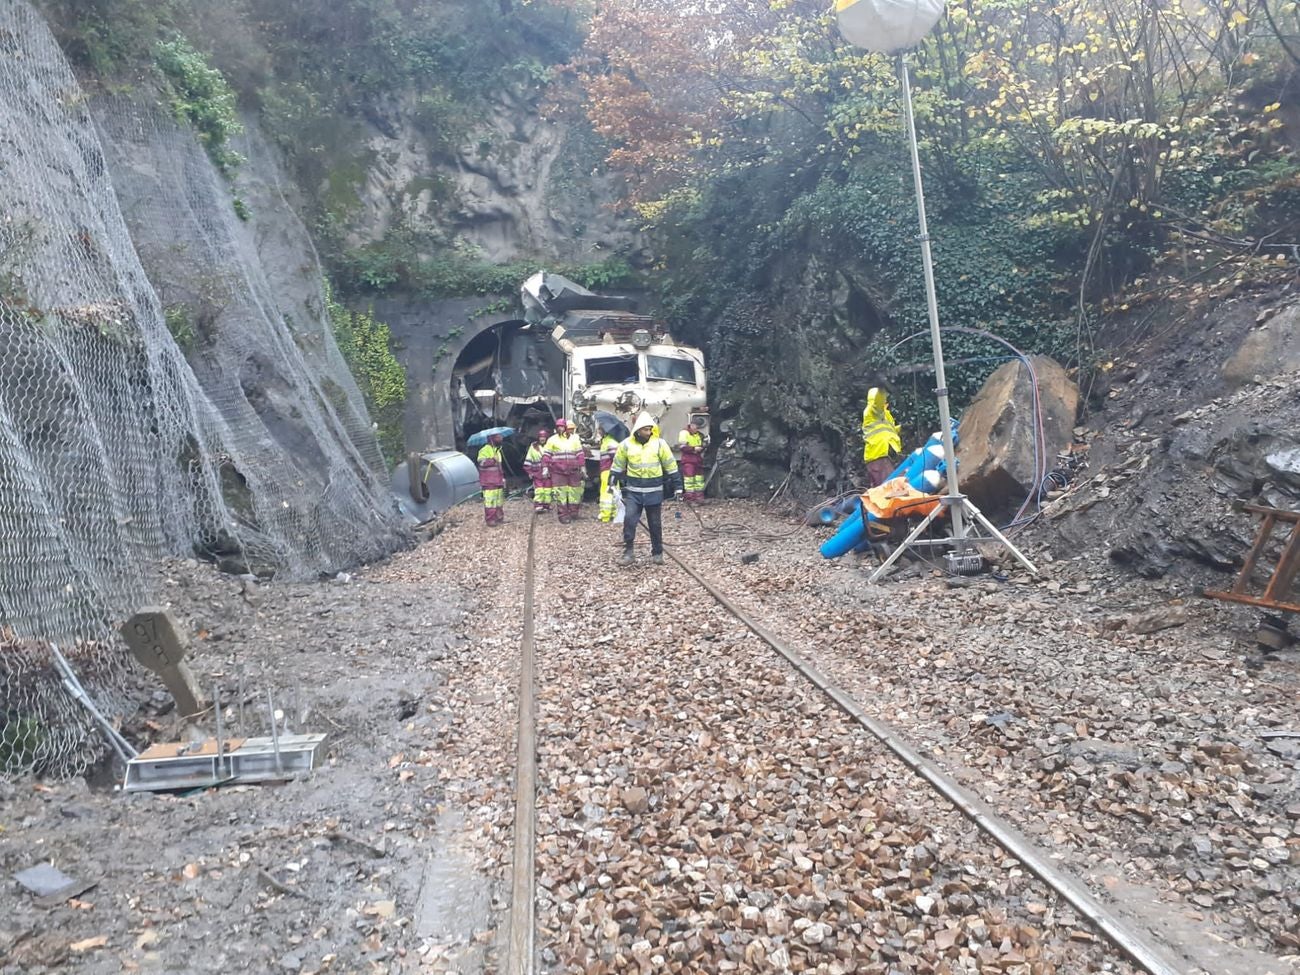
626 558
657 558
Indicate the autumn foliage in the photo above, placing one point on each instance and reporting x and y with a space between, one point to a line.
1130 114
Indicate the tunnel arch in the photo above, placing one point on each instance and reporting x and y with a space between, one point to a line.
510 356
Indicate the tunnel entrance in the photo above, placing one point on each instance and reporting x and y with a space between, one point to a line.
510 374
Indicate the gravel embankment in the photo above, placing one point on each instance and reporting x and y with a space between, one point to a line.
1114 721
702 808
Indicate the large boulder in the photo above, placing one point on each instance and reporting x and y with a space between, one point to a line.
1270 349
998 452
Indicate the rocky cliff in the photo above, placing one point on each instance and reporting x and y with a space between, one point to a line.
168 383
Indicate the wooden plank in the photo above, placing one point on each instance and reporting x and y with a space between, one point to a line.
1236 597
1256 550
1281 514
1287 565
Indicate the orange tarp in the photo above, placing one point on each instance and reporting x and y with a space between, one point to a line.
897 499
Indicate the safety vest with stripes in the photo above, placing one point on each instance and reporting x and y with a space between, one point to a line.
564 454
646 465
490 474
608 448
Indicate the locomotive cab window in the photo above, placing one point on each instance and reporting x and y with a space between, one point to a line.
669 369
614 369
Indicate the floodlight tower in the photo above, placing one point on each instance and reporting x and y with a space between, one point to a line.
891 27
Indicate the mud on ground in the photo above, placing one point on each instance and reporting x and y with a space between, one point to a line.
1136 756
351 869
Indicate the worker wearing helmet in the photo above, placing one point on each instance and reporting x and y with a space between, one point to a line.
608 447
534 467
563 461
492 480
691 443
645 470
882 440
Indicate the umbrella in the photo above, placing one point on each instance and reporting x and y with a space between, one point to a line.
480 438
612 425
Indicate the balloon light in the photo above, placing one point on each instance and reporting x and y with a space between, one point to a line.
886 26
891 27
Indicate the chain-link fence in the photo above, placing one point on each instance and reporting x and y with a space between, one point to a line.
211 414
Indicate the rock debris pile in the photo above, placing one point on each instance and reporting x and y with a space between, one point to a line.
702 808
1114 721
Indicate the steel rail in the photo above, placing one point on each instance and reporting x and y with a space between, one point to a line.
521 932
1134 945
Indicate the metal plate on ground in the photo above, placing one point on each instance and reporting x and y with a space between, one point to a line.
241 760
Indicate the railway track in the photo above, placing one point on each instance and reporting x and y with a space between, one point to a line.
693 795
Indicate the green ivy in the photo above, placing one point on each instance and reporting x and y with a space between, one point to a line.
177 318
395 264
201 96
366 345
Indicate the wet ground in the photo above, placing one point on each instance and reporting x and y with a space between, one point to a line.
346 870
1149 761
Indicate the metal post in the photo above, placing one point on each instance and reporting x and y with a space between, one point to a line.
275 731
216 707
932 304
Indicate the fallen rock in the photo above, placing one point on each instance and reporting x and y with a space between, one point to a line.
1269 350
997 451
1161 618
635 800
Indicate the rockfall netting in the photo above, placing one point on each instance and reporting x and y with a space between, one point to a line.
200 407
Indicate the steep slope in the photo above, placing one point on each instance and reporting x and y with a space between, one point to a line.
115 451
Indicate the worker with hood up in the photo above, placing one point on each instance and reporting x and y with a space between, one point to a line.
534 467
492 480
882 441
645 471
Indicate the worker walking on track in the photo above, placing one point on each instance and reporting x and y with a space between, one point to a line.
646 472
882 440
492 480
534 465
691 443
563 462
608 447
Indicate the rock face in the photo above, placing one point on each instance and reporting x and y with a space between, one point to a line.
1270 349
1000 459
519 185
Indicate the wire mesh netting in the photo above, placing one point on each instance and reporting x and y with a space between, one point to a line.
211 414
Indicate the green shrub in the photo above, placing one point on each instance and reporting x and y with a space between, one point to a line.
179 324
366 345
201 96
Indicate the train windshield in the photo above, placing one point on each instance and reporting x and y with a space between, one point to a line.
669 369
613 369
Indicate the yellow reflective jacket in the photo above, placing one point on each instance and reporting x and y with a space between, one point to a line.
490 474
880 433
647 467
608 448
563 453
